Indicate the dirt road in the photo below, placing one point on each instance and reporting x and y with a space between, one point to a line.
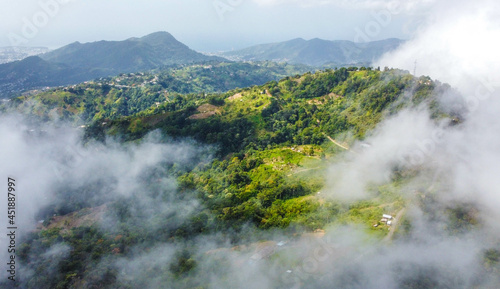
336 143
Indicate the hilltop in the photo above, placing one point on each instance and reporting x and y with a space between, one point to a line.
131 55
317 52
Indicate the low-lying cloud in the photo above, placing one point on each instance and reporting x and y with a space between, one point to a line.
55 172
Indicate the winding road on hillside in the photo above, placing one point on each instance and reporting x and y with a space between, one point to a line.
336 143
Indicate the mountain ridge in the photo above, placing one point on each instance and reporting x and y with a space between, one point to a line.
147 52
79 62
316 51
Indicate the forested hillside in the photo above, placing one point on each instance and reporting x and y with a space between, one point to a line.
131 93
257 163
295 110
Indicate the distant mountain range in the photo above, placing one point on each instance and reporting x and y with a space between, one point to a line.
79 62
316 52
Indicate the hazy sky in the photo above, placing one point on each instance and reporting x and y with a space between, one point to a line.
207 25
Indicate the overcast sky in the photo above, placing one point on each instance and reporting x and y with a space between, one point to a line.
207 25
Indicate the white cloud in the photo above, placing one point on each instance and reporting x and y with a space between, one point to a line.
461 40
459 46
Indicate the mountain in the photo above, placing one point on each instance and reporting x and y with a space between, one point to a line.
317 52
134 54
79 62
